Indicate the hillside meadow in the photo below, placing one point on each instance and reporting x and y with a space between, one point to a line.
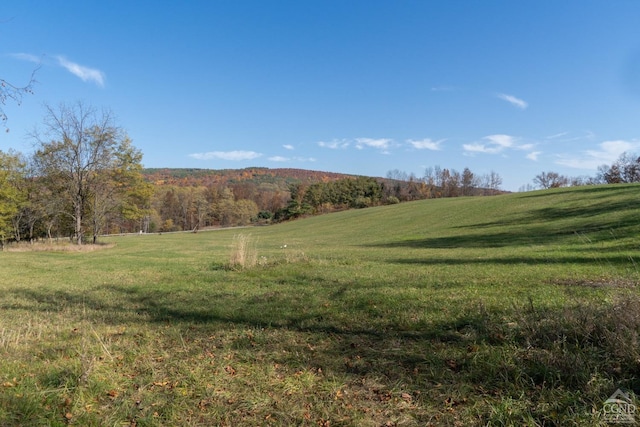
519 309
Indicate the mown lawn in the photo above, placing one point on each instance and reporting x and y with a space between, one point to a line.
510 310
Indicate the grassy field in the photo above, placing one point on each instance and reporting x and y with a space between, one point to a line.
520 309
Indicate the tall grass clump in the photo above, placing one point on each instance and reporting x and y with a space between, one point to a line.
244 252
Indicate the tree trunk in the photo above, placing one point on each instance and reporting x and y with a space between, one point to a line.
79 221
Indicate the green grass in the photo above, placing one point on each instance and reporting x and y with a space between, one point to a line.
510 310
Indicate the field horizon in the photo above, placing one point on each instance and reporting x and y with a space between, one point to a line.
517 309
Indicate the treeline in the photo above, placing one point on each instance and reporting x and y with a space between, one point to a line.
443 182
626 169
178 208
208 201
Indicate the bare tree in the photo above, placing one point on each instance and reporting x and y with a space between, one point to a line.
11 92
468 182
76 150
494 181
550 180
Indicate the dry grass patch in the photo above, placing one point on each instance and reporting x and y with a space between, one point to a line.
244 253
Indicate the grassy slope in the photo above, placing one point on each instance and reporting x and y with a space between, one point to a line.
507 310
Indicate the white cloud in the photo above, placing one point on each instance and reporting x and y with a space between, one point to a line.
500 140
557 135
282 159
84 73
425 144
226 155
495 144
381 143
517 102
26 57
334 144
360 143
476 147
608 153
498 143
288 147
278 159
612 149
525 147
568 137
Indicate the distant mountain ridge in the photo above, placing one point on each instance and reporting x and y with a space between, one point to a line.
282 177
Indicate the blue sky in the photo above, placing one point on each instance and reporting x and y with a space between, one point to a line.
351 86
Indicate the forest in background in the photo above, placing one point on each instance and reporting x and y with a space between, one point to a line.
192 199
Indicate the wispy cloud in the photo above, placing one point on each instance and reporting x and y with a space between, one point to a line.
278 159
288 147
381 143
572 136
26 57
500 140
335 144
517 102
557 135
534 155
86 74
493 144
282 159
226 155
499 143
425 144
477 147
606 153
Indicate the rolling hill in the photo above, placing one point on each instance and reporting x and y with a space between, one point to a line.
518 309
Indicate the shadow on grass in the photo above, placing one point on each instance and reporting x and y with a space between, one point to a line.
368 337
588 259
587 189
600 222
